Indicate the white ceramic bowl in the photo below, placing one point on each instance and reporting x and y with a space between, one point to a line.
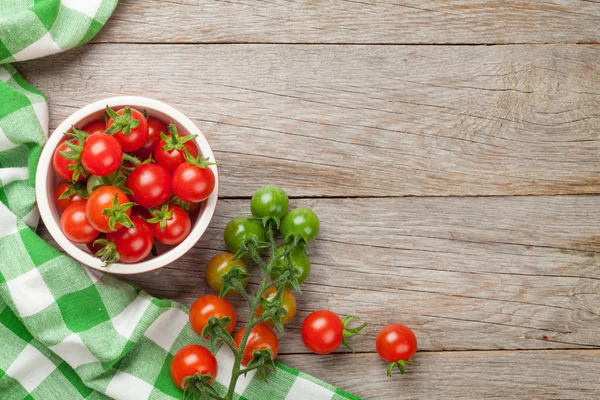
46 181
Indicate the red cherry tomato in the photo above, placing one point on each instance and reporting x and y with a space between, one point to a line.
192 183
136 137
177 228
208 306
61 164
102 199
189 361
155 127
396 344
101 155
261 337
323 331
94 127
75 225
150 184
133 244
171 159
62 204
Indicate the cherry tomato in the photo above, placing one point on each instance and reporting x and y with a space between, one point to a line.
61 164
150 184
102 199
300 220
170 153
207 306
155 127
191 360
129 126
261 337
75 193
299 260
101 155
175 225
94 127
192 183
269 201
132 244
220 265
288 301
323 331
396 344
239 229
76 226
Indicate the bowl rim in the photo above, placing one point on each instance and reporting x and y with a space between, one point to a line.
44 168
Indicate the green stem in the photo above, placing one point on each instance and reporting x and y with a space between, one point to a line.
252 320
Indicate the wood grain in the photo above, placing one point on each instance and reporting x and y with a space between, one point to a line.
466 274
464 375
348 21
364 120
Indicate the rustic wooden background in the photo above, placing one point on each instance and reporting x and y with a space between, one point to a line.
450 148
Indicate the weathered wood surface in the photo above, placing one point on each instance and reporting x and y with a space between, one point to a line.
364 120
465 273
348 21
465 375
503 292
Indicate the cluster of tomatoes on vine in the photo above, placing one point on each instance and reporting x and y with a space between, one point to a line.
273 304
126 181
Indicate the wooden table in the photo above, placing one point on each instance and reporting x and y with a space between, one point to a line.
450 148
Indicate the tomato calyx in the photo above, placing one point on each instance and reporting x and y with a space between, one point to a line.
262 360
108 253
75 145
199 161
121 123
273 309
215 329
199 386
233 279
400 364
348 333
297 240
117 213
116 179
176 201
286 270
77 188
173 141
161 216
250 246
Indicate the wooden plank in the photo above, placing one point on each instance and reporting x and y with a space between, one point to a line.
463 375
465 273
364 120
344 21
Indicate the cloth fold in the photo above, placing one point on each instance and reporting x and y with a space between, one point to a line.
66 331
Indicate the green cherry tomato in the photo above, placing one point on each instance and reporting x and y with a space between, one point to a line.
301 220
220 265
269 201
300 262
239 229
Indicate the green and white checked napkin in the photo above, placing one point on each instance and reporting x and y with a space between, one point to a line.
67 332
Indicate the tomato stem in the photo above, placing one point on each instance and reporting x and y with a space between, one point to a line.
400 364
348 333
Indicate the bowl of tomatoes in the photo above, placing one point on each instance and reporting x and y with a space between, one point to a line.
127 184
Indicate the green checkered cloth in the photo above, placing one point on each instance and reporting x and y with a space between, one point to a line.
68 332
